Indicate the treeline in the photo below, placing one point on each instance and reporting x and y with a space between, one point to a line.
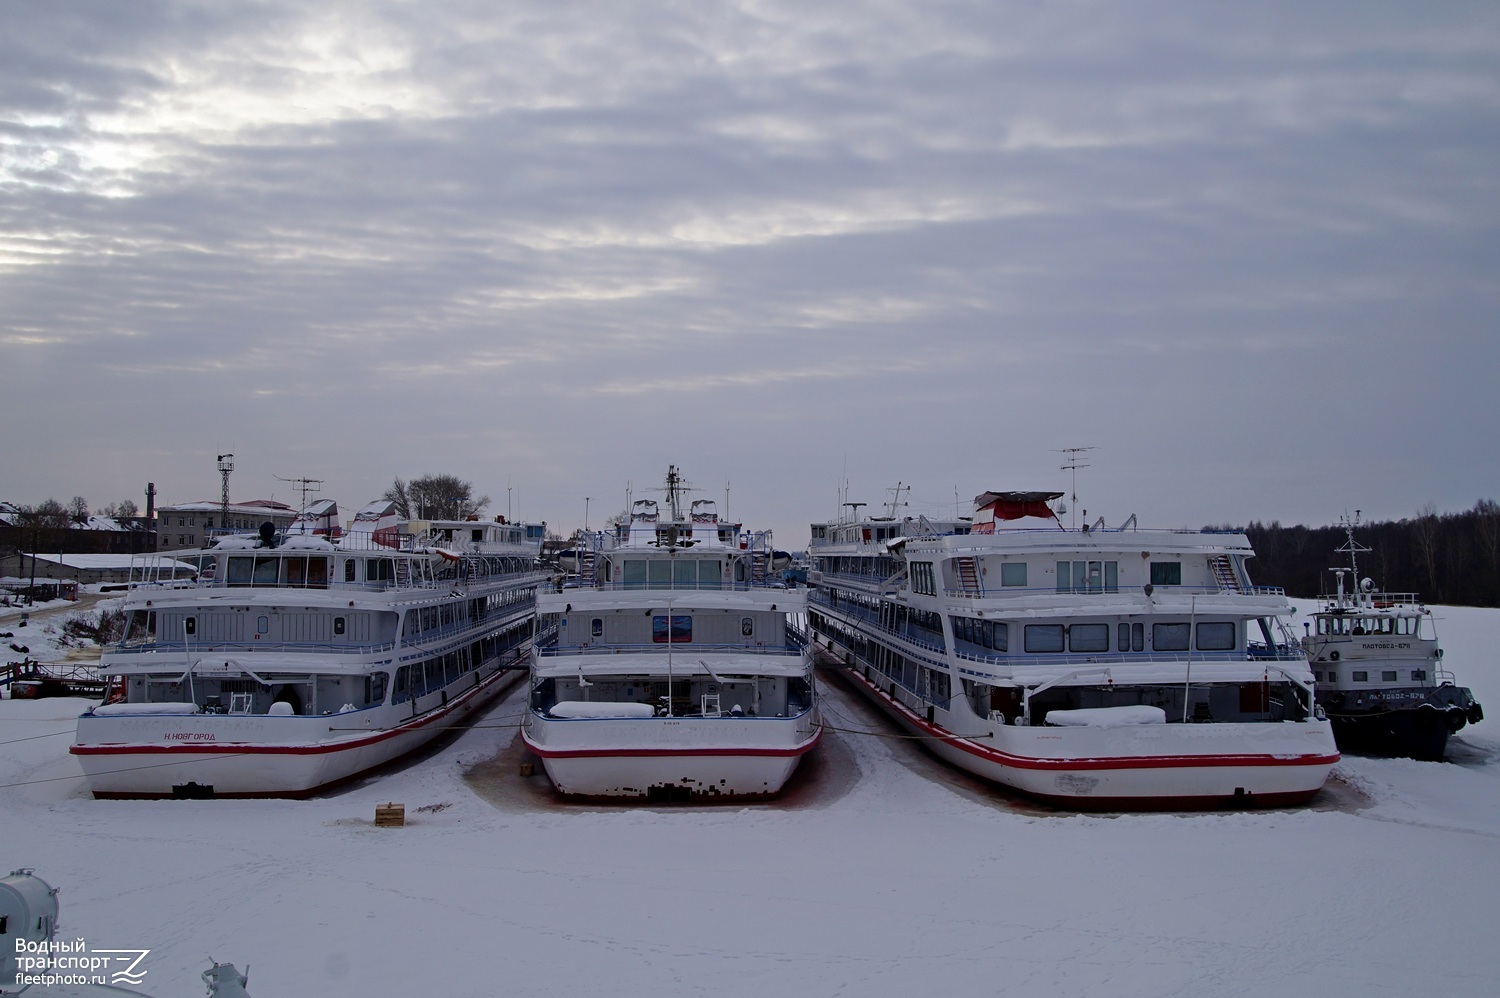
1449 558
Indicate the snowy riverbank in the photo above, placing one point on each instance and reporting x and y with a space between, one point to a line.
879 876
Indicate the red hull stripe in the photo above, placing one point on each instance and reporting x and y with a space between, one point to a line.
669 752
1112 762
252 748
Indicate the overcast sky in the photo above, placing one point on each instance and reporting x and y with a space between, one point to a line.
1248 252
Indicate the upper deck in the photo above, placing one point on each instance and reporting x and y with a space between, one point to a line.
410 555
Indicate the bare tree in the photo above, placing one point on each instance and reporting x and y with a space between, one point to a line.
439 497
1425 533
78 509
1487 515
47 515
398 495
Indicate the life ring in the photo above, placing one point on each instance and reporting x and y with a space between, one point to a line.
1333 656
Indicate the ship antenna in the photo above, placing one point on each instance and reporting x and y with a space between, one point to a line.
1072 463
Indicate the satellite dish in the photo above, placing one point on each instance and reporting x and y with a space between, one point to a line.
268 534
1367 585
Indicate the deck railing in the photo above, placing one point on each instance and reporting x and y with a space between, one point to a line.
679 647
984 591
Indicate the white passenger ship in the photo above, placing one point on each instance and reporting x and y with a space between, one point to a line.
1379 670
669 670
295 663
1097 668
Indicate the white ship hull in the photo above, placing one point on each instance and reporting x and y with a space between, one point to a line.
678 758
1145 767
165 755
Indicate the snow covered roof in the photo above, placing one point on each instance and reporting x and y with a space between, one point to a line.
213 506
106 562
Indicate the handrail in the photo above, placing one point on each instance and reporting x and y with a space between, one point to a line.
1128 659
175 647
984 591
636 587
789 649
1356 602
471 582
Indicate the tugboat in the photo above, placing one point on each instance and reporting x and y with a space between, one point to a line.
1379 670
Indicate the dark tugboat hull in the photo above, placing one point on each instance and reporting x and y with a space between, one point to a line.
1416 729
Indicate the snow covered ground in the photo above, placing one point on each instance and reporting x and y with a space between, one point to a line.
883 873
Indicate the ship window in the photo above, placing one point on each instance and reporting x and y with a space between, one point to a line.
922 579
338 625
747 627
1317 676
1088 576
596 627
1419 675
1361 677
681 629
1388 676
684 574
190 625
710 574
1169 637
659 574
635 574
1166 573
1088 637
266 571
294 572
1013 573
317 573
1216 636
349 570
1044 637
239 571
262 624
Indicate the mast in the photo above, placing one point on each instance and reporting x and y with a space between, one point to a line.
896 497
1352 549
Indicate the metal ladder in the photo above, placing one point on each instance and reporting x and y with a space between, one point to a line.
1224 575
968 574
